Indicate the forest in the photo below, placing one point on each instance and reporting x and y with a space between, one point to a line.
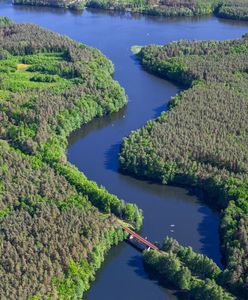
70 4
229 9
186 270
55 224
202 140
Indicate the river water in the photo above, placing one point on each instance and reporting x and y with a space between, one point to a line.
94 148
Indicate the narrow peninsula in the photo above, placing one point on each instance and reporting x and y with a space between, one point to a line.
202 140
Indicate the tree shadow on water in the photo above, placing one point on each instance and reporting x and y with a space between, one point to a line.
159 110
135 59
136 262
208 229
111 157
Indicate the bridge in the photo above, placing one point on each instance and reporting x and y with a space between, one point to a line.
140 239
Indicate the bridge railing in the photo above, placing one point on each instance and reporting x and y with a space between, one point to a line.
139 238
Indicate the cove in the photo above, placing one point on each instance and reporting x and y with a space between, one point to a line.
94 148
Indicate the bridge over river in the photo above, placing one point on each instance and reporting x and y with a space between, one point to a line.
139 239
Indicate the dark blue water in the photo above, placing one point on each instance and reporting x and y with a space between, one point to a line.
94 148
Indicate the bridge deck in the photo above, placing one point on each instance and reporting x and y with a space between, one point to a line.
140 238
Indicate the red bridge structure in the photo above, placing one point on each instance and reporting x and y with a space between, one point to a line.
142 241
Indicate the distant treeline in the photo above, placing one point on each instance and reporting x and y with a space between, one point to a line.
229 9
55 224
71 4
202 140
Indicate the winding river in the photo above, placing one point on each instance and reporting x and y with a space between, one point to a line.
94 148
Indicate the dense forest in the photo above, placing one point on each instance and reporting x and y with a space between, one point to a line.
52 238
233 10
71 4
186 270
55 224
229 9
202 139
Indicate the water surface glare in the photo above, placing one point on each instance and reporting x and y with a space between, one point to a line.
94 148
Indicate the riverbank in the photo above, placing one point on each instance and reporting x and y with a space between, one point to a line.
190 272
221 8
201 140
50 85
